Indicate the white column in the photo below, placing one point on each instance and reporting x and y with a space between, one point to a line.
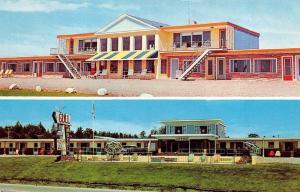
131 47
108 44
157 45
144 42
98 45
120 44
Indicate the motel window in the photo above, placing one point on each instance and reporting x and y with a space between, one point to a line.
61 67
197 39
114 67
88 45
271 145
102 66
71 145
176 40
49 67
206 39
114 44
209 67
240 65
138 43
11 145
126 43
12 66
150 66
98 145
137 68
87 67
163 66
139 145
103 45
231 145
35 145
26 67
186 39
265 65
187 63
151 42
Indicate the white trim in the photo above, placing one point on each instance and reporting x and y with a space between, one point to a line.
297 67
283 65
268 58
171 66
243 59
217 67
124 16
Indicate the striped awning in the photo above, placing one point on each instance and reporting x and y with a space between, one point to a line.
124 55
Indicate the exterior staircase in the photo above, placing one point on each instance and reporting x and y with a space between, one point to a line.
198 60
69 65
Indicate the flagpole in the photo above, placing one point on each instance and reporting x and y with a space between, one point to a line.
94 117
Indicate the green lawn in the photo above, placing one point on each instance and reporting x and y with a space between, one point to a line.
33 93
275 177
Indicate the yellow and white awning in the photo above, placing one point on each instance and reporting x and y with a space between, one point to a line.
124 55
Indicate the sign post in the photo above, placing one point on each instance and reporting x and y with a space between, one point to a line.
62 127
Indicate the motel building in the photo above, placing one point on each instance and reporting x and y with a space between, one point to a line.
181 138
136 48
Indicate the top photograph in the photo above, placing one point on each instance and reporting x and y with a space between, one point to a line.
183 48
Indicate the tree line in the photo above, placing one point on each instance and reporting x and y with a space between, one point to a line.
30 131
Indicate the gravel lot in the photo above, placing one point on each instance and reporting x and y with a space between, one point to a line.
166 88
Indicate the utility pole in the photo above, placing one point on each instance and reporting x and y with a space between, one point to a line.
8 129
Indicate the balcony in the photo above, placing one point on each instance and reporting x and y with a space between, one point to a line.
87 50
198 45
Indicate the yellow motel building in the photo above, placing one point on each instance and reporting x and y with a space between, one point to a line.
137 48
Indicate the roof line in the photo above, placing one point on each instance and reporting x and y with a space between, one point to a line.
212 25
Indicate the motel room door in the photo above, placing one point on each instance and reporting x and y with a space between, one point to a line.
221 68
174 67
210 69
125 69
297 63
38 68
287 68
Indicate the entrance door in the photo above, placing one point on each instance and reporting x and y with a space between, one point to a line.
125 69
221 68
209 70
38 68
298 67
22 148
287 68
174 67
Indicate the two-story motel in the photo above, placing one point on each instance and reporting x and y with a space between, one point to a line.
181 137
133 47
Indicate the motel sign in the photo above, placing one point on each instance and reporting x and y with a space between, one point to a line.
62 126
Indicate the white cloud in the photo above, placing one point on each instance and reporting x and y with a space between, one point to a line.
118 6
38 6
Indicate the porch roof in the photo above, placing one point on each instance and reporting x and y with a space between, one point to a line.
124 55
184 137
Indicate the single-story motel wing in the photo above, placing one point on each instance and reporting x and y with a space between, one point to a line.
137 48
181 138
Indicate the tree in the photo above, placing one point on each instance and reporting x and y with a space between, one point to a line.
253 135
79 133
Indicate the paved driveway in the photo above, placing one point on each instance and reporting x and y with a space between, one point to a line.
167 88
33 188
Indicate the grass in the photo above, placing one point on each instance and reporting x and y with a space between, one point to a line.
33 93
274 177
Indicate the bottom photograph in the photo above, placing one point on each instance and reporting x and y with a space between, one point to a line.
149 145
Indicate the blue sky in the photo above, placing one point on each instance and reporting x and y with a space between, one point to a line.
29 27
267 118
